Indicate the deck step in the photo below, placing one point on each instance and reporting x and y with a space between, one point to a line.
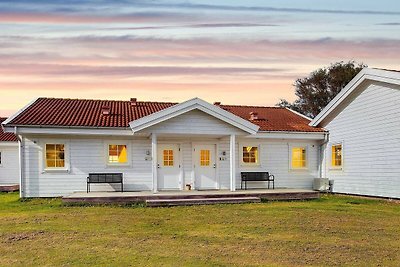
9 187
200 201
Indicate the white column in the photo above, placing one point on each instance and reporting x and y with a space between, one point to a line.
154 161
232 154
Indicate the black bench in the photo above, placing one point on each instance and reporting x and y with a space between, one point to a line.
257 177
104 178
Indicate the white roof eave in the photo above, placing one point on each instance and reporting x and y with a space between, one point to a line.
195 103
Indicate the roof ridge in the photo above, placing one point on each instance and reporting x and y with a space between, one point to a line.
251 106
105 100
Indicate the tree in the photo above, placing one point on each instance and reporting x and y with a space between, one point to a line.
321 86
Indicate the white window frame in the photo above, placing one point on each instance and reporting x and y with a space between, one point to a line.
331 167
117 164
1 158
66 167
242 163
291 146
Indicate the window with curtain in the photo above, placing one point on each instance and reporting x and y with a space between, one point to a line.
250 154
299 157
117 154
55 156
337 159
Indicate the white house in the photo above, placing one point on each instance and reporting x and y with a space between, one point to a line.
363 120
161 146
9 161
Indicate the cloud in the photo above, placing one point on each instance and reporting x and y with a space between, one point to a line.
389 24
136 50
68 18
195 26
127 71
275 9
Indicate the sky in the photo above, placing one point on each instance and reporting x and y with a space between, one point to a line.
234 52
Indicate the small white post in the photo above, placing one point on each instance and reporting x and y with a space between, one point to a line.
232 154
154 161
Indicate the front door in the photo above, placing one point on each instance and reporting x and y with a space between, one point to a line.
168 164
205 167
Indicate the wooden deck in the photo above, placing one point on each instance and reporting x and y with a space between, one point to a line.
9 187
194 197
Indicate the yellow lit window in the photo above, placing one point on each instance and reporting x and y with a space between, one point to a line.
299 159
55 156
337 155
117 154
168 157
250 154
204 157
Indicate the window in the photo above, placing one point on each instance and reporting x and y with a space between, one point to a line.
168 157
337 158
204 157
55 156
299 158
250 154
117 154
0 159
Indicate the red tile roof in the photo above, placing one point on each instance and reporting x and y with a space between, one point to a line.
88 113
6 137
83 112
273 118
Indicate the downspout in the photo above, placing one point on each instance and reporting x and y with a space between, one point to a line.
322 155
21 162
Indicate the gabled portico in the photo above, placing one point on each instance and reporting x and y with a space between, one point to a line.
201 126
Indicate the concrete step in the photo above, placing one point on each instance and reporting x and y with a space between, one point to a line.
200 201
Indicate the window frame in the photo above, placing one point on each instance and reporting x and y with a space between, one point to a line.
206 160
291 147
331 145
117 143
257 163
1 158
168 160
66 167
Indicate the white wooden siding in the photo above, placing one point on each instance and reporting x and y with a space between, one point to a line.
88 155
9 167
369 127
194 122
274 158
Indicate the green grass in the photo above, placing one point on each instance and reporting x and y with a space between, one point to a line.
333 230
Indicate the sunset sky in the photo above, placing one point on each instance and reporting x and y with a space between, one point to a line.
236 52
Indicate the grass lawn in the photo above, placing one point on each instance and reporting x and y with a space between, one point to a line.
330 231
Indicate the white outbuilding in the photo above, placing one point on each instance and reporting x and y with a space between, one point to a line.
362 155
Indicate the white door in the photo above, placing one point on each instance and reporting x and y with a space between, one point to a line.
168 164
205 167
